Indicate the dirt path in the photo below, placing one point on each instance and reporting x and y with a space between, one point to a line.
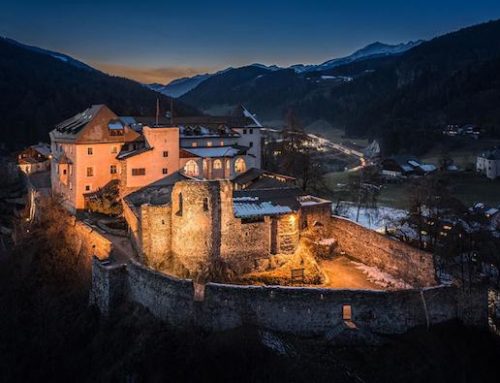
342 274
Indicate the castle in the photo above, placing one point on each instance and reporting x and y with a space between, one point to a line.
194 195
193 191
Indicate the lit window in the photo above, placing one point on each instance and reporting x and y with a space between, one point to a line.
90 151
90 172
139 172
217 164
222 143
194 144
164 171
209 143
165 153
112 169
191 168
239 165
347 312
228 164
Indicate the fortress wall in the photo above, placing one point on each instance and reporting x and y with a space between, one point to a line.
375 249
156 233
135 228
168 298
297 310
108 285
100 246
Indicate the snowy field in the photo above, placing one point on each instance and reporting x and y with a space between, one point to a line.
375 219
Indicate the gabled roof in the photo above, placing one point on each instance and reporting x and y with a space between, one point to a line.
97 124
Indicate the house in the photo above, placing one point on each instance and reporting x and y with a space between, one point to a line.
96 147
399 166
35 158
488 163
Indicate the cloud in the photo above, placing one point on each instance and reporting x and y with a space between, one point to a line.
150 75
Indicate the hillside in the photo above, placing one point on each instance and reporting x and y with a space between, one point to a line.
401 99
40 89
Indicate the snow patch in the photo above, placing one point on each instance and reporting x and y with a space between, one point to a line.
381 278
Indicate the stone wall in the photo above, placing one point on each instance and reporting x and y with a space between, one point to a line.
196 223
100 246
156 233
305 311
374 249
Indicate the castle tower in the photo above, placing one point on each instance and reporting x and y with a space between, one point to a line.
196 223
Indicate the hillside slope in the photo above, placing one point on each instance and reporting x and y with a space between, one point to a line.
452 78
40 90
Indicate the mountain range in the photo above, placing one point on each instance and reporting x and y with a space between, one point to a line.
41 88
404 99
181 86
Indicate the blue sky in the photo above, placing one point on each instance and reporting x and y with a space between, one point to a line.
160 40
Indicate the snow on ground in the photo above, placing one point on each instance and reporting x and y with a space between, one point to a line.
371 218
381 278
274 343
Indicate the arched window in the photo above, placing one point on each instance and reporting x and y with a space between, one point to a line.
239 165
217 164
191 168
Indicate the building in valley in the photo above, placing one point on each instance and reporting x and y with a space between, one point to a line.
488 163
35 158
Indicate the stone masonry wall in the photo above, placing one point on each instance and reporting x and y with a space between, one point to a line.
306 311
375 249
196 223
156 233
100 245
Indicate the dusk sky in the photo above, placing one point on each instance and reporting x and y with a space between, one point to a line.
158 40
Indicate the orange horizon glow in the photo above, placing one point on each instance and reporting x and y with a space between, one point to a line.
151 75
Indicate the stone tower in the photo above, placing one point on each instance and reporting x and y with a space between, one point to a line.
196 223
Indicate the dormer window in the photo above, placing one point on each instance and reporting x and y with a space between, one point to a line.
116 128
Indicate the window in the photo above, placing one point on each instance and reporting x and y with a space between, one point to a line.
239 165
194 144
165 153
114 150
250 144
112 169
205 204
217 164
70 185
347 312
209 143
251 131
64 171
228 165
222 143
164 171
139 172
90 172
191 168
88 187
179 212
90 151
244 131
